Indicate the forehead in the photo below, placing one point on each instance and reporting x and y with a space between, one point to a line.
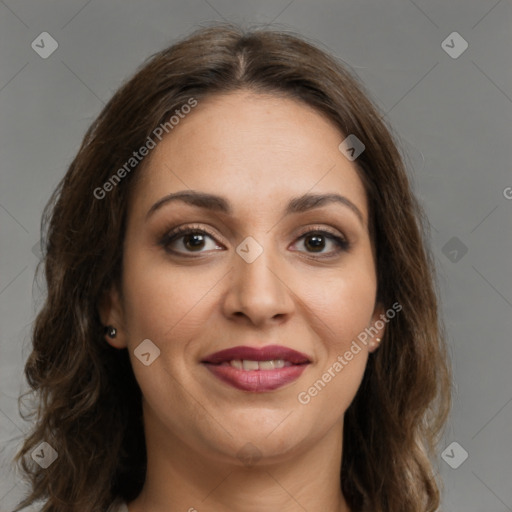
255 149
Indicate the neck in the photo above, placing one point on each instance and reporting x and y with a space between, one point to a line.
184 478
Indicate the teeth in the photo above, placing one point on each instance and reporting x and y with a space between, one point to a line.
250 365
236 363
266 365
259 365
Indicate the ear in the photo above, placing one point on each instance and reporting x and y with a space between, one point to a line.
111 313
378 326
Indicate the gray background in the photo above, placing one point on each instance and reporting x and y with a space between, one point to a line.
453 119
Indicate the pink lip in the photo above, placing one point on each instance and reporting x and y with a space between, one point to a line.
257 380
257 354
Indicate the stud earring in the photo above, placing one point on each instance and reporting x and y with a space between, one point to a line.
376 343
110 331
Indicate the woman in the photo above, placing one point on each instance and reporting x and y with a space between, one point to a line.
241 309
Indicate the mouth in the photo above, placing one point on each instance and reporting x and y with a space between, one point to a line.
257 370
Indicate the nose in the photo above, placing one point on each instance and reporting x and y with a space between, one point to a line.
258 291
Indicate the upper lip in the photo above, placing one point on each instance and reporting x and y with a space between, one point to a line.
268 353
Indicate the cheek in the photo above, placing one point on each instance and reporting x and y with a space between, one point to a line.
162 302
168 306
340 309
343 304
165 302
333 384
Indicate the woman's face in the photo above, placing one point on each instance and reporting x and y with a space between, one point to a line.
263 268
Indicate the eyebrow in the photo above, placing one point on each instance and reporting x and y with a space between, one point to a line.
216 203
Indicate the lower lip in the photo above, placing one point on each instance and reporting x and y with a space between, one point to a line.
257 380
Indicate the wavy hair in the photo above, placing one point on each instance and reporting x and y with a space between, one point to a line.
86 401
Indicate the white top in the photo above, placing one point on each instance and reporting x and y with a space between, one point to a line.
118 506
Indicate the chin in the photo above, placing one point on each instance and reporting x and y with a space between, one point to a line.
255 439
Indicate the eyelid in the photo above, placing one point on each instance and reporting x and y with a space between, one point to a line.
323 229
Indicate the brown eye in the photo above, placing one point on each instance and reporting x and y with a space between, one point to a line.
188 240
193 241
317 241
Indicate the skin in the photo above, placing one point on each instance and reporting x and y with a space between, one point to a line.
257 151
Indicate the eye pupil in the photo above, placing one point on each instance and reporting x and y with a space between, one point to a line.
198 243
315 242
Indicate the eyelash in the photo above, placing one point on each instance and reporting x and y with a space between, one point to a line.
169 237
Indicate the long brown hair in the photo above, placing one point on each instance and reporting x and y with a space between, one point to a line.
88 404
